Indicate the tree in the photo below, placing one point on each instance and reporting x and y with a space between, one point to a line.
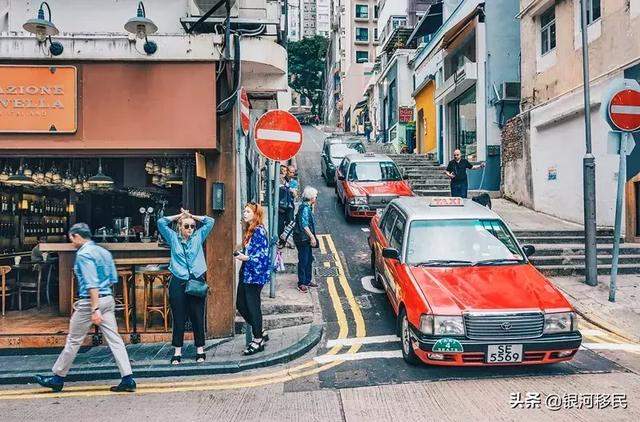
307 59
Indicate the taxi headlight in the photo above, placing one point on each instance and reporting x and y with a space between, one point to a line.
358 200
448 325
560 322
426 324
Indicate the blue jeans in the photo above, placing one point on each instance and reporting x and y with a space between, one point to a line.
305 259
459 189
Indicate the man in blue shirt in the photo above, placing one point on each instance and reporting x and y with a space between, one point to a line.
305 239
95 274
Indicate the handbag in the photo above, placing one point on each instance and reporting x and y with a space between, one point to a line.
194 286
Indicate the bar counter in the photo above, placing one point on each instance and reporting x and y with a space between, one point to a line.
124 254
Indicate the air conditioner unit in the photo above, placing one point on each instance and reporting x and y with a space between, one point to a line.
205 5
510 91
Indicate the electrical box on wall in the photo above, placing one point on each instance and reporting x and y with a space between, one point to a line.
217 197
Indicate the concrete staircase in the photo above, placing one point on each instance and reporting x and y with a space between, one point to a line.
561 253
426 176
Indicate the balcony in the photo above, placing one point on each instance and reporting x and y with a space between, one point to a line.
462 79
393 23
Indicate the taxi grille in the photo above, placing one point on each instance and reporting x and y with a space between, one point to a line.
504 326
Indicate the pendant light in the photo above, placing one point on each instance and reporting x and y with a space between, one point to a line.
19 179
100 179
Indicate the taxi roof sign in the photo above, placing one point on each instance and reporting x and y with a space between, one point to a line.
446 202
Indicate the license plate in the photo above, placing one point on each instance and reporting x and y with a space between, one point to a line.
504 353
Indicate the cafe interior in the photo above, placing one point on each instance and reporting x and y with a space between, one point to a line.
121 198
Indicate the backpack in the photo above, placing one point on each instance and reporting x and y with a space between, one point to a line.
299 235
285 200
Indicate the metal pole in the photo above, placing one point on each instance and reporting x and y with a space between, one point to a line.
274 234
622 177
589 165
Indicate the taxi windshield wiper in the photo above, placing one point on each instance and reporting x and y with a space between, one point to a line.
498 261
442 262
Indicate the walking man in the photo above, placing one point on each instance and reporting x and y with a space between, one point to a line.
95 273
457 172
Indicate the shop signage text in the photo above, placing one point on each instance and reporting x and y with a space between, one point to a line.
405 114
38 99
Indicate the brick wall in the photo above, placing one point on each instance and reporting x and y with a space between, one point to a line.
516 182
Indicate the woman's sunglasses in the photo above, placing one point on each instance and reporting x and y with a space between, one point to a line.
188 226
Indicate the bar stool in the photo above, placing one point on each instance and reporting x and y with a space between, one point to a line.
125 275
149 306
6 290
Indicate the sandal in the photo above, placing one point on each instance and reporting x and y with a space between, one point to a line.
265 336
200 357
175 359
254 347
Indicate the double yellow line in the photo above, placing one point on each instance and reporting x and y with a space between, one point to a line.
307 368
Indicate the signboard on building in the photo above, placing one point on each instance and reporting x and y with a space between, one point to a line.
405 114
35 99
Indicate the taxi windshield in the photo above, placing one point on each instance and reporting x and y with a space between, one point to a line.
341 150
461 243
371 171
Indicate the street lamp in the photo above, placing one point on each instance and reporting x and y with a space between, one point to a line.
142 26
44 29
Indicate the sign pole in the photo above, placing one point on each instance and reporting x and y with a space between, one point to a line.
274 234
622 177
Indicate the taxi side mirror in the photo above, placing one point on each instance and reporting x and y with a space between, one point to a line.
390 253
340 176
529 250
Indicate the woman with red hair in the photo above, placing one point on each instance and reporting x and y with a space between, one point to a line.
254 273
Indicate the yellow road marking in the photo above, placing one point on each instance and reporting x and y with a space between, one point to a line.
301 370
323 249
327 264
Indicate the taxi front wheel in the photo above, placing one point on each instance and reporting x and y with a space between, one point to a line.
408 353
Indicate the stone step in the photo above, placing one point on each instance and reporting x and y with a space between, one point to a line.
445 192
430 186
563 260
272 322
573 249
579 270
578 240
560 233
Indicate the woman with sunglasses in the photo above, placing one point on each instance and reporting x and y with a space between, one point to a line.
254 273
187 261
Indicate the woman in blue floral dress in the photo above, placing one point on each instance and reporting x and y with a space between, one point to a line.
255 272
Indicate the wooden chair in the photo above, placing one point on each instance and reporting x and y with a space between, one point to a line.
5 289
32 285
122 298
149 306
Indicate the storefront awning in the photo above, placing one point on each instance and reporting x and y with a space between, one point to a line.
428 24
465 25
362 104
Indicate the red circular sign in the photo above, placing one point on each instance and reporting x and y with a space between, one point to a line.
278 135
624 110
245 107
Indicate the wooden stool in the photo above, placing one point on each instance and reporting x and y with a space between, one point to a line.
150 278
122 302
4 288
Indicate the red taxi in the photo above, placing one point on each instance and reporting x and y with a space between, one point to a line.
367 183
463 288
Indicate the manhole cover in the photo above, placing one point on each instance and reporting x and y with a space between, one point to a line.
325 272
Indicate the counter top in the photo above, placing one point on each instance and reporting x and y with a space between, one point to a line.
68 247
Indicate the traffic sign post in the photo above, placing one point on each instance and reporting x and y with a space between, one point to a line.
622 114
278 137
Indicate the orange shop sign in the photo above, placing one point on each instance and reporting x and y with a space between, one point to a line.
38 99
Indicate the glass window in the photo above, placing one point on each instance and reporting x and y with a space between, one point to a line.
362 11
371 171
393 102
464 121
593 10
362 56
362 34
341 150
376 11
343 166
548 30
388 221
397 235
457 242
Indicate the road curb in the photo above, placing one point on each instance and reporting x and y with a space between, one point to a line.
310 340
598 322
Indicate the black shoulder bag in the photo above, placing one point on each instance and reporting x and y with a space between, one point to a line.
194 286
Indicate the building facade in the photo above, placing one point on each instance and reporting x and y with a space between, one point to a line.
546 172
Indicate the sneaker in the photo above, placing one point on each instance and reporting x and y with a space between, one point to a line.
303 288
49 382
312 284
124 387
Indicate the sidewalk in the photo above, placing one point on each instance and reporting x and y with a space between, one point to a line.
592 303
293 320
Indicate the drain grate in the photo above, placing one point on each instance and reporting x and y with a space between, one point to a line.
325 272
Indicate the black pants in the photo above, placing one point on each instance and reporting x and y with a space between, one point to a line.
459 189
183 305
284 218
305 259
249 305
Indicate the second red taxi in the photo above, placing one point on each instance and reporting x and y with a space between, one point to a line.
463 289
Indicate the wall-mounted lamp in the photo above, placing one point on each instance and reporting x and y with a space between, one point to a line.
142 26
71 208
44 29
24 204
217 203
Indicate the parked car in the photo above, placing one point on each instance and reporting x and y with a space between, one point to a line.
463 289
333 151
368 182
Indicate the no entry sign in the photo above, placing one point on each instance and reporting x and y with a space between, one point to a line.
278 135
624 110
244 111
